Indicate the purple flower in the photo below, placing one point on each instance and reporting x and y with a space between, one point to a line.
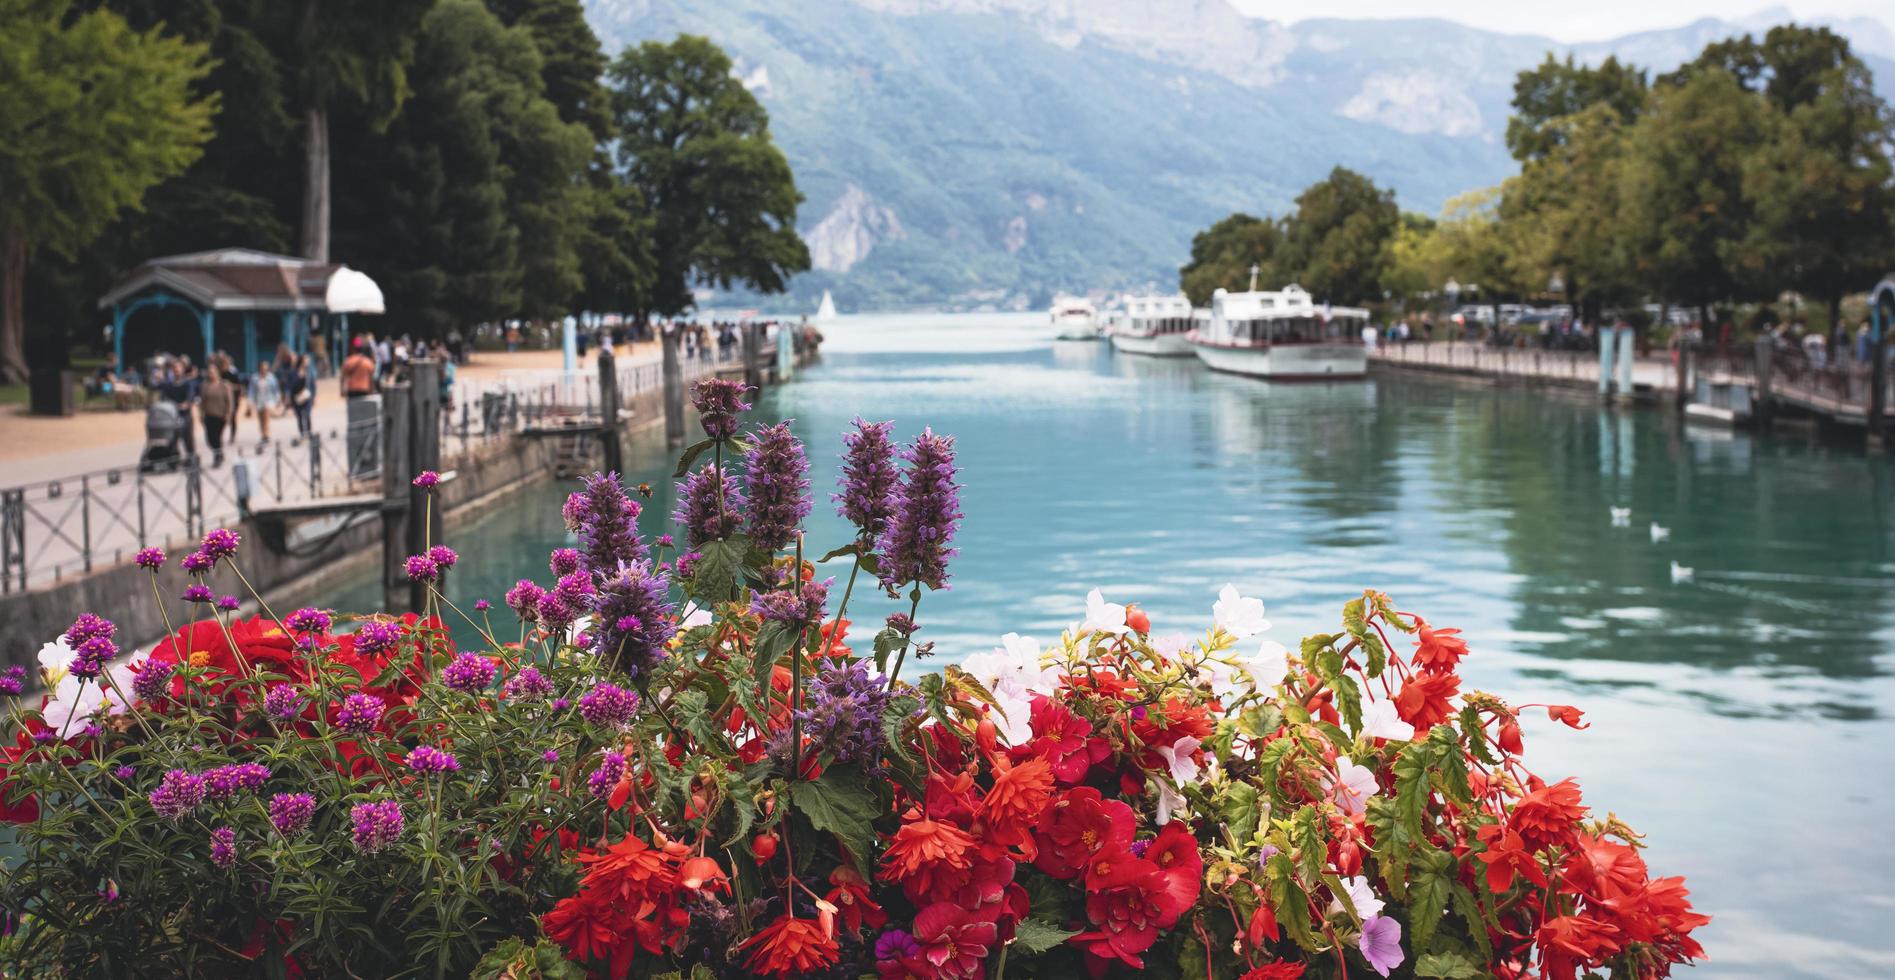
895 945
89 626
421 568
469 673
482 605
359 714
564 561
528 684
843 709
443 556
90 658
228 603
427 479
375 825
718 403
901 623
290 813
791 608
308 620
198 593
151 558
608 706
223 847
197 563
226 781
573 511
926 511
687 564
125 772
13 681
709 506
665 541
561 704
177 794
550 755
220 543
524 599
868 477
634 618
610 771
1264 854
1381 943
282 702
776 481
377 636
608 525
428 759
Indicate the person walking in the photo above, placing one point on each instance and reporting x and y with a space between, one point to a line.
217 399
296 375
266 399
358 372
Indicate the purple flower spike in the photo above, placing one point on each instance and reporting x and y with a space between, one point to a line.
177 794
90 658
868 477
776 481
926 512
526 685
282 702
197 563
564 561
709 506
151 558
359 714
443 556
375 825
791 608
430 760
377 636
608 524
198 593
223 847
13 681
634 618
718 403
843 710
226 781
608 706
228 603
307 620
220 543
610 771
421 568
89 626
469 673
524 599
290 813
482 605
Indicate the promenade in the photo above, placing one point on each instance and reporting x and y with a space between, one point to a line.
1576 368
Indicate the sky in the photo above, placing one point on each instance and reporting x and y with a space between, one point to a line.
1590 20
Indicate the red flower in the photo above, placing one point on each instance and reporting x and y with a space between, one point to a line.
16 806
1440 651
1175 853
1568 715
1127 903
1603 870
1277 970
852 897
631 871
923 850
1423 700
791 946
1065 741
833 633
1571 940
1549 815
1078 826
1014 805
954 940
1506 856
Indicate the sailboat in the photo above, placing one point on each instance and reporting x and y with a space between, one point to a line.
826 313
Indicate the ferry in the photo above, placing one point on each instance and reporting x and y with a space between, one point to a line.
1154 325
1074 319
1282 336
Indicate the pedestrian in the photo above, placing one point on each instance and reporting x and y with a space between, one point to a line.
217 400
358 372
266 397
296 375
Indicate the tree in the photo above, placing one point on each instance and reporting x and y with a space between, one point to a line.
1475 247
1415 267
1338 238
1564 213
696 145
1684 200
1223 255
1542 96
95 115
571 62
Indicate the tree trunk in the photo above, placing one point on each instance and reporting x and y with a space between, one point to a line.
13 367
316 184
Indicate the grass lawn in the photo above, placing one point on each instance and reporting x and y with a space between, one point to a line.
81 367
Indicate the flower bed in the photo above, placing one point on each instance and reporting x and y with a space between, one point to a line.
676 761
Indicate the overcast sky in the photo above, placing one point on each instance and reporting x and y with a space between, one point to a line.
1584 20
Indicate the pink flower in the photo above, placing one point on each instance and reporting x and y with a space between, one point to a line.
1352 784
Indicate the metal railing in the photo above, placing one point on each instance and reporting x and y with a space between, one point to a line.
1523 362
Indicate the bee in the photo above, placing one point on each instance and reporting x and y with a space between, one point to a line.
644 490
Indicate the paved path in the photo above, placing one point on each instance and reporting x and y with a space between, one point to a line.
1566 367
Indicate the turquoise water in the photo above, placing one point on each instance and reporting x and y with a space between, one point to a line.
1742 719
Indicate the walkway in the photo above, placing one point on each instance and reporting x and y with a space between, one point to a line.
1579 368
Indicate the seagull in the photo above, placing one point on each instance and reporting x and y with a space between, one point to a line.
1659 533
1680 573
1621 517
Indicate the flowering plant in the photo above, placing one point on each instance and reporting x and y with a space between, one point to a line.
679 765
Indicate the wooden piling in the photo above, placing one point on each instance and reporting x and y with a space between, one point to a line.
1760 404
424 427
753 367
613 448
674 389
397 472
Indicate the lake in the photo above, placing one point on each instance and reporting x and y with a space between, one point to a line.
1741 719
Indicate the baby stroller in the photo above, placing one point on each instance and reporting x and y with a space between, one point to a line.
164 426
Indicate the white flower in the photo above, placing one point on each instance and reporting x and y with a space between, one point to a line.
1381 720
1014 715
119 679
1103 616
1238 615
1016 662
1177 756
1352 784
695 618
1169 801
1268 665
1367 906
73 700
55 658
1172 645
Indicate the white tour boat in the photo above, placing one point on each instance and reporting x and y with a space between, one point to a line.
1283 336
1074 319
1155 325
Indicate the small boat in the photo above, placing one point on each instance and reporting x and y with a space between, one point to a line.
1153 325
1074 319
826 313
1282 336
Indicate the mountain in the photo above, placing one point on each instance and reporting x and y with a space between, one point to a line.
970 153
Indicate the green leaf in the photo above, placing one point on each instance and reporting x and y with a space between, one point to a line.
1411 784
1039 936
841 803
1448 966
774 639
852 548
720 570
895 723
690 455
1427 899
1240 811
1469 909
1476 735
886 642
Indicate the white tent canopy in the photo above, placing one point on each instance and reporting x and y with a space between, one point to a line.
352 292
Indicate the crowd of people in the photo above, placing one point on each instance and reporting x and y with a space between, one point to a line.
218 395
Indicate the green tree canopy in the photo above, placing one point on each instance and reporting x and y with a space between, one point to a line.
1223 255
571 62
1565 212
95 114
1338 238
696 145
1556 89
